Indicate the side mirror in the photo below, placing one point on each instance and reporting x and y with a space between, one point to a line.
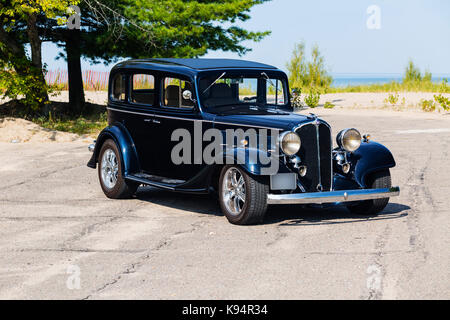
295 92
187 95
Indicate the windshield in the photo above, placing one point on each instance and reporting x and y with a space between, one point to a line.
221 90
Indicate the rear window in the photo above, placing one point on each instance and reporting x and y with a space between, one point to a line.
118 91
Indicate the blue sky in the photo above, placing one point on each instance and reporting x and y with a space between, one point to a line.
409 29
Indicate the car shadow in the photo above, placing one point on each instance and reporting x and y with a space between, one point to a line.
283 215
286 215
200 203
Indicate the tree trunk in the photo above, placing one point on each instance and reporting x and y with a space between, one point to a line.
36 56
35 41
76 92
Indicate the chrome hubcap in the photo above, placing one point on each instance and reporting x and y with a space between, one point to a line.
233 191
110 169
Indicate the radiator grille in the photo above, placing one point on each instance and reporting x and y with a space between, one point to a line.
315 153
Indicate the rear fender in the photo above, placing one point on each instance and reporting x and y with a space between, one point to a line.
124 142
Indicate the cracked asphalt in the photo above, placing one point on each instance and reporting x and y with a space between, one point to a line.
56 227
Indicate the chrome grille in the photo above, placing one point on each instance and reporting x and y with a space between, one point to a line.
315 153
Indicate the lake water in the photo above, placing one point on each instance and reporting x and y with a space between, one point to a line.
344 81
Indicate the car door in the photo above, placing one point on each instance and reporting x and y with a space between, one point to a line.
174 113
143 97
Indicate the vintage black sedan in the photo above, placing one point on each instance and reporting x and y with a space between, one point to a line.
165 114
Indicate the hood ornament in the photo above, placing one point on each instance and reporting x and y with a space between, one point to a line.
314 117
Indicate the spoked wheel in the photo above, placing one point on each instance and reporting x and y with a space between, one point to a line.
242 198
109 168
233 189
110 173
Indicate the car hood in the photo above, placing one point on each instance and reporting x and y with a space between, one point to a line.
281 119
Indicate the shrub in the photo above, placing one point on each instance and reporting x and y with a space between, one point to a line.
392 99
328 105
307 74
412 73
443 101
427 105
312 99
443 87
29 88
296 101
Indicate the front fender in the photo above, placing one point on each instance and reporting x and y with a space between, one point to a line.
250 160
124 142
370 157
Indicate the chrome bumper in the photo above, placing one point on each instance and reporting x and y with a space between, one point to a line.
333 196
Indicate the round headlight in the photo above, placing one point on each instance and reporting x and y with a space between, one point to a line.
349 139
290 143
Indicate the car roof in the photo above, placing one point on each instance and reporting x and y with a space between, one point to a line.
193 64
204 64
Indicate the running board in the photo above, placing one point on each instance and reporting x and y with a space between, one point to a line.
163 183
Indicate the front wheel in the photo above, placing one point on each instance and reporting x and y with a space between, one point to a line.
378 180
110 173
243 199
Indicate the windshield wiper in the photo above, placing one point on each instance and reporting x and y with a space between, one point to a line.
221 76
270 81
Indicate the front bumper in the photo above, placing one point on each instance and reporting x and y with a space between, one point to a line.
333 196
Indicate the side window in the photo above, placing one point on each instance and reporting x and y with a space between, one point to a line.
275 92
118 91
173 93
143 89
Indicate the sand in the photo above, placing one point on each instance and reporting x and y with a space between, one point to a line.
377 99
18 130
15 130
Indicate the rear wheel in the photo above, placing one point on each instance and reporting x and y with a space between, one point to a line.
378 180
243 199
110 173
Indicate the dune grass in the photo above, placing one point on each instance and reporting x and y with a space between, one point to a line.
395 86
83 125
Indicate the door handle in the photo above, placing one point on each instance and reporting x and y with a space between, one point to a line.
156 121
148 120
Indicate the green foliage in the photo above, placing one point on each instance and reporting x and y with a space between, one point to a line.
22 76
167 28
308 75
427 105
312 99
23 8
328 105
443 101
412 73
28 87
392 99
444 88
